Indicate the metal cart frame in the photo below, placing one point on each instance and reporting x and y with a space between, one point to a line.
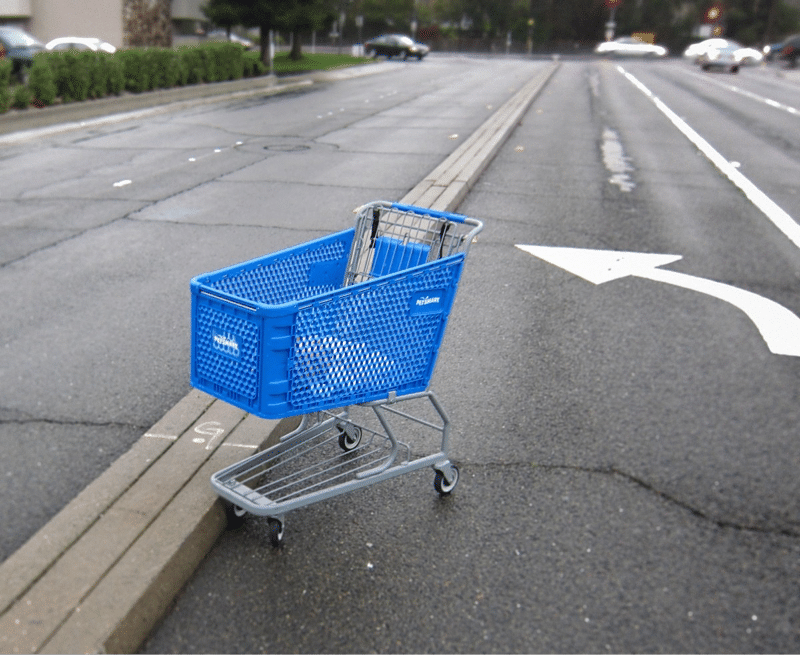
353 319
329 455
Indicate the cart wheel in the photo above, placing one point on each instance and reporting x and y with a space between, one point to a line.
443 488
234 514
275 528
349 438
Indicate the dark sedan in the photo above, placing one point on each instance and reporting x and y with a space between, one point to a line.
20 47
790 50
395 45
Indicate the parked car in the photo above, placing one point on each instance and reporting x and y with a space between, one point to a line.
772 51
730 57
628 46
395 45
790 50
222 35
80 43
20 47
749 56
694 51
722 53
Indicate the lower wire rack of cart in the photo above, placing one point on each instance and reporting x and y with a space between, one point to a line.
331 454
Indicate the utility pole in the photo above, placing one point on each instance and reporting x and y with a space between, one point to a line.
611 25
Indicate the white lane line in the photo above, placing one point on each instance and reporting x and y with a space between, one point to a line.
753 96
768 207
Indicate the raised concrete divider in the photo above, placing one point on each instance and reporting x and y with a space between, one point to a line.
102 572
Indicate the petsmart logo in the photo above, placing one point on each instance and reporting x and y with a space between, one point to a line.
432 301
226 343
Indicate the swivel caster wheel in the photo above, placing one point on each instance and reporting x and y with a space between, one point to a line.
275 530
440 483
349 437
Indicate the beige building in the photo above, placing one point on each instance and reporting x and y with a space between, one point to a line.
48 19
109 20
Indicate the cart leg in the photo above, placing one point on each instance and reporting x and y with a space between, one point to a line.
233 513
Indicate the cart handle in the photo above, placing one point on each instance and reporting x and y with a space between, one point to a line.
424 211
456 218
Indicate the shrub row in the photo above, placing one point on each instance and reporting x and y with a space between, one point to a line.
75 76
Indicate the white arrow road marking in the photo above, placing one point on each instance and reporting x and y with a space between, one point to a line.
779 327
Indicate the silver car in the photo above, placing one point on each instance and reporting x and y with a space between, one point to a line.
628 46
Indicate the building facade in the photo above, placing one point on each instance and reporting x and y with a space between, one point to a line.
120 22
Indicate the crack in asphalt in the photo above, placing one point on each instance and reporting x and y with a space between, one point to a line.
30 420
672 500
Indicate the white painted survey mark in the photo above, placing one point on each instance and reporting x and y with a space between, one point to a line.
779 327
768 207
211 429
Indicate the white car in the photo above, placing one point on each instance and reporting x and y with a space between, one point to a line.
722 53
80 43
627 46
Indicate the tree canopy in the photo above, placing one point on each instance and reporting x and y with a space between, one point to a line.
293 16
548 24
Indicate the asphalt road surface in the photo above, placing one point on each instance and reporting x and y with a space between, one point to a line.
628 448
103 227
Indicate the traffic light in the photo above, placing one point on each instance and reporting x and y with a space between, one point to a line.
713 14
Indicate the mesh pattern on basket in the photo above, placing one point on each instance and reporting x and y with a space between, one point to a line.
358 343
228 351
284 280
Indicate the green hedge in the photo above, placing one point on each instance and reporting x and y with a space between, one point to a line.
76 76
5 79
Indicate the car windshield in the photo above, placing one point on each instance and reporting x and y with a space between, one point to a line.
17 39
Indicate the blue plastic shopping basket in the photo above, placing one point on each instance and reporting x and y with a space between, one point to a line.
346 319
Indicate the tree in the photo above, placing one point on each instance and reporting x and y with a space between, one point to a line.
147 23
302 16
387 15
223 13
293 16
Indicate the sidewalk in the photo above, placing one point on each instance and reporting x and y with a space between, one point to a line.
102 572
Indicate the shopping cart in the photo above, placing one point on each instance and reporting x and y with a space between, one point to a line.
351 320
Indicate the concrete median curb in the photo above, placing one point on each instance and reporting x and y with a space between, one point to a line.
102 572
